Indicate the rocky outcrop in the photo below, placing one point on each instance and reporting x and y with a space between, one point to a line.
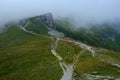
47 19
55 33
23 22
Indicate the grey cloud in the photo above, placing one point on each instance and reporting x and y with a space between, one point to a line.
83 11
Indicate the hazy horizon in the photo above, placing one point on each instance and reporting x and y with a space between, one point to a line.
82 11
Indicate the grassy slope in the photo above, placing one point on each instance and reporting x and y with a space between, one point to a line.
68 51
95 38
87 63
26 57
37 27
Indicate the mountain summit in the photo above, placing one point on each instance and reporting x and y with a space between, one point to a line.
46 19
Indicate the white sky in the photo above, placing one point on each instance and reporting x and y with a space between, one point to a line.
80 10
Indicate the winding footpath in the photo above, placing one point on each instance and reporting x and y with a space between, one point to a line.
68 69
31 32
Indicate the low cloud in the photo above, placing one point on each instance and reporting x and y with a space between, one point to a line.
82 11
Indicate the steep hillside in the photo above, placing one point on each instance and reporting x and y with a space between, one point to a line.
104 35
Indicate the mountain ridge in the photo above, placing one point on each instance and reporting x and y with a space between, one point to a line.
26 51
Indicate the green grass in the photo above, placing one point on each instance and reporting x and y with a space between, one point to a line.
89 64
68 51
37 27
95 35
26 57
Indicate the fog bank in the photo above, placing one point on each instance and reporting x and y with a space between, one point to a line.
82 11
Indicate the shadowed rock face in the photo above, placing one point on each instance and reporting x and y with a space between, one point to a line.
47 19
23 22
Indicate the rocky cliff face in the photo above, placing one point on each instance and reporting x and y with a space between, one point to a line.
47 19
23 22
